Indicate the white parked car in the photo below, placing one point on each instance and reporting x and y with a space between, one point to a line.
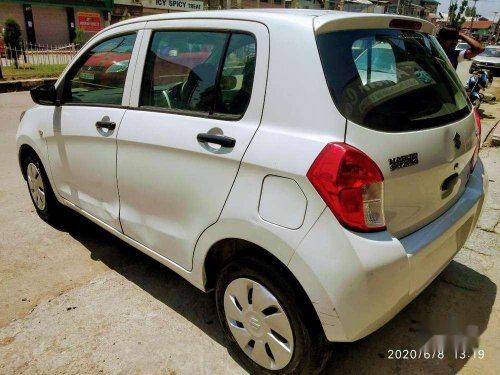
316 169
489 59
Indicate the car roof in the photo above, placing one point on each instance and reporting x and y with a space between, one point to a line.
267 16
241 14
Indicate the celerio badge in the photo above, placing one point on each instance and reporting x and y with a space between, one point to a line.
403 161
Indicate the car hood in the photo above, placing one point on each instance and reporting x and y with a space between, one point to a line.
106 59
486 59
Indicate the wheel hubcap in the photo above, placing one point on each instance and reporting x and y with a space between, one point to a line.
35 183
258 323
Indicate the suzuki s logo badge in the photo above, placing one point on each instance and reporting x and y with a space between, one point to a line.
457 141
254 322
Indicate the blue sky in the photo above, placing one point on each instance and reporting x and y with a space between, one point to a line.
484 7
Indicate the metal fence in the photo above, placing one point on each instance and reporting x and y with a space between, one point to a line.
29 60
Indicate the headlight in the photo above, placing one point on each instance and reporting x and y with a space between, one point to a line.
118 67
22 115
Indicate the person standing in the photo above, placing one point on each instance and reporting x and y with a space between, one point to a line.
448 39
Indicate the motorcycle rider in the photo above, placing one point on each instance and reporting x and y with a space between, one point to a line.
448 38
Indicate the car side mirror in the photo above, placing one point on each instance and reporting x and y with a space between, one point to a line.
45 95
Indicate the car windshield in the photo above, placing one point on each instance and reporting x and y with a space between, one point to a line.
391 80
462 46
491 52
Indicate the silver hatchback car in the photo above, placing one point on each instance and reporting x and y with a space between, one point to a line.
316 169
489 59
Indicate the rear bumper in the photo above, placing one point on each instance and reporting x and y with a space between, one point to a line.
359 281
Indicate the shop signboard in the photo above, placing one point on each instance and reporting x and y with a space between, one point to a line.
179 5
89 21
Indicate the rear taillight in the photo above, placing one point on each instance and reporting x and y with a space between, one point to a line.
478 123
351 185
478 136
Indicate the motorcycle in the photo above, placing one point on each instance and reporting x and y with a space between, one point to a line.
477 82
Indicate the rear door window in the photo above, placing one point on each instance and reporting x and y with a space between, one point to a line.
205 73
236 82
391 80
181 70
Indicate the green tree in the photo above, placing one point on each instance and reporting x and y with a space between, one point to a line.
470 12
12 39
79 38
456 14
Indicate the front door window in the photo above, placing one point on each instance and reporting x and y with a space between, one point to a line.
99 77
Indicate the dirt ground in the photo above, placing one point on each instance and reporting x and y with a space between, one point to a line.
75 300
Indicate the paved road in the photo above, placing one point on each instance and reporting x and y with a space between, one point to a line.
463 71
75 300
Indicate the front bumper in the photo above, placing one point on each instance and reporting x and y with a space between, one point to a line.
359 281
495 69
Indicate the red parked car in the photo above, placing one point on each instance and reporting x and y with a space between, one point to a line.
2 47
107 64
105 68
108 69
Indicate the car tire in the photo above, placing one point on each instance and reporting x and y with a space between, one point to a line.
40 190
270 327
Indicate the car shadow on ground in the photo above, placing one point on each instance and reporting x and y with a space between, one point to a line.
151 276
485 116
459 301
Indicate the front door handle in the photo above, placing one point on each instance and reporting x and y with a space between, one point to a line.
110 125
217 139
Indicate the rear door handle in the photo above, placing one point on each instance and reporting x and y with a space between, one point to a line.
110 125
221 140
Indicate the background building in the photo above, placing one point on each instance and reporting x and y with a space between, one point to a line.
55 22
363 6
244 4
124 9
480 29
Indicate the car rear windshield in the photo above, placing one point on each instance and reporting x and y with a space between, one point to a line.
391 80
